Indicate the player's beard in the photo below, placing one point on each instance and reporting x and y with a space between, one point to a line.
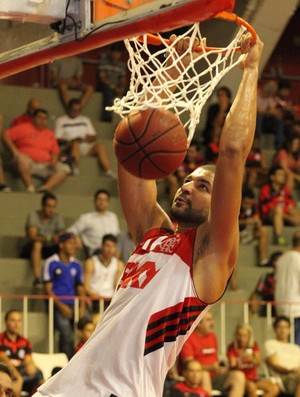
188 216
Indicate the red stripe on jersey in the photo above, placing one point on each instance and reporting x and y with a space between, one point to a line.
166 325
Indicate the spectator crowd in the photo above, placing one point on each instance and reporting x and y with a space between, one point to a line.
44 158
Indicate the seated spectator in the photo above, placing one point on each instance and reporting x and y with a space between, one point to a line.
251 227
85 328
35 152
63 280
6 381
32 105
288 158
202 346
196 382
264 289
112 76
269 115
102 273
43 228
193 160
66 74
287 291
276 204
283 358
76 136
15 351
216 113
256 166
92 226
244 354
286 105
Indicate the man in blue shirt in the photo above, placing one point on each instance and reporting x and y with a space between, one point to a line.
62 276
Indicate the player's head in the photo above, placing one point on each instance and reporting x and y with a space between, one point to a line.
191 204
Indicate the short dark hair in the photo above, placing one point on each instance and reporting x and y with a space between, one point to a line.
40 110
9 312
109 237
101 191
48 196
249 193
6 370
83 322
274 169
278 319
73 101
226 90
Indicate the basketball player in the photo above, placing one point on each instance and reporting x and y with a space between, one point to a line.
173 276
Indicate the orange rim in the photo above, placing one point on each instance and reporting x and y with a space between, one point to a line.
228 16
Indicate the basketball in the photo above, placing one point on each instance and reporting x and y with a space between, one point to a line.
150 143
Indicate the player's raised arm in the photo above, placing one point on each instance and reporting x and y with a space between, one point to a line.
219 236
138 196
139 203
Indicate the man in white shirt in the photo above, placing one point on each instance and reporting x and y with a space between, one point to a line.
76 136
287 286
102 273
283 357
92 226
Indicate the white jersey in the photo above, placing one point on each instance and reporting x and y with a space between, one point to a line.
287 286
103 279
69 128
92 226
152 313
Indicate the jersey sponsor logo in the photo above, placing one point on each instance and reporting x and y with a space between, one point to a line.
168 246
166 325
138 276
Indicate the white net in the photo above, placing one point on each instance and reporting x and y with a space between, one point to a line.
194 84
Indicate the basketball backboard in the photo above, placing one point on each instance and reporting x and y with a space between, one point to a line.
87 25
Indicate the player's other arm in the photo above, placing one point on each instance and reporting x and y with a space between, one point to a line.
139 203
221 231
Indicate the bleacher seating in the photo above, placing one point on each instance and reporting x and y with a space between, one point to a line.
75 196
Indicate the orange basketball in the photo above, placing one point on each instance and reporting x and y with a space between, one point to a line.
150 143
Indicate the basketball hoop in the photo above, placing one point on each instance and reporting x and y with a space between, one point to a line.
195 82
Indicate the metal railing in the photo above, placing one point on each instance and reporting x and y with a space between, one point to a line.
227 314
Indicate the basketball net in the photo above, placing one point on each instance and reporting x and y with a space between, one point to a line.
194 84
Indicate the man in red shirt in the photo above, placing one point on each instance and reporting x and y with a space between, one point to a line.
15 351
35 152
202 346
